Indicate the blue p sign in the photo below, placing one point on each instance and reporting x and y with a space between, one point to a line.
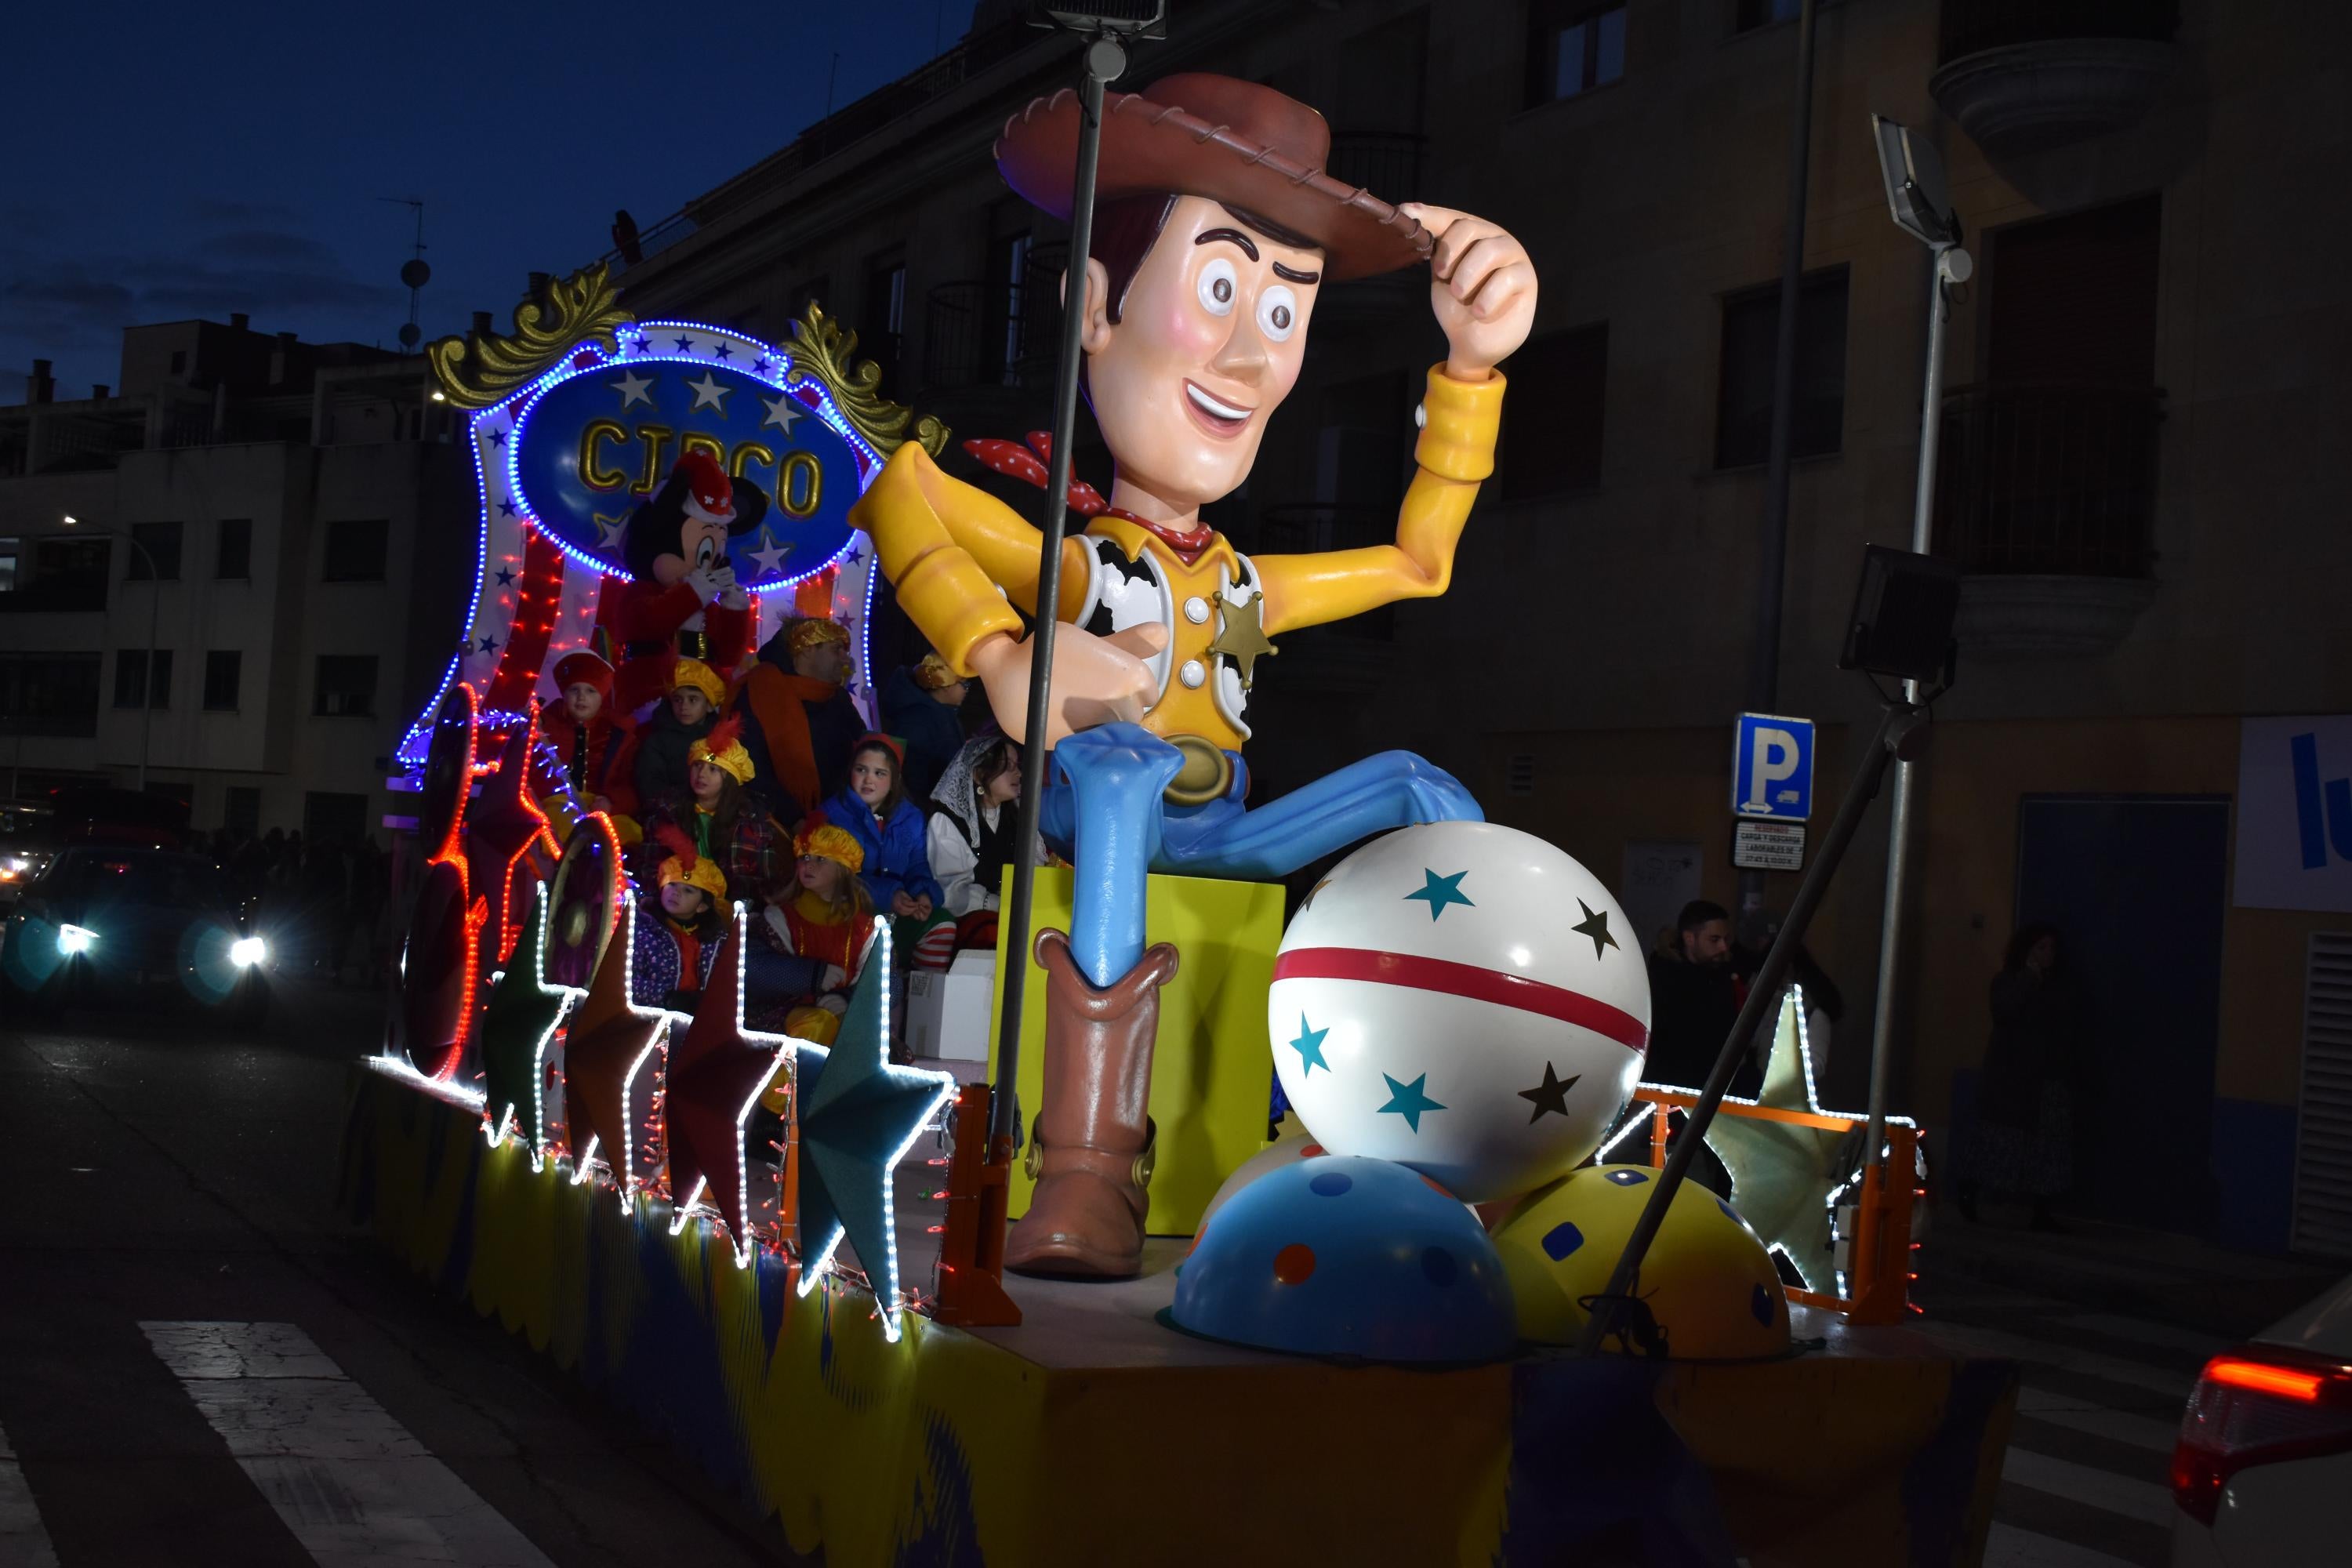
1772 767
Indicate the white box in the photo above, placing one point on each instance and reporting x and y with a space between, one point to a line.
949 1015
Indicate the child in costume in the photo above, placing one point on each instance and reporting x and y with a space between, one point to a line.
924 704
679 929
695 695
820 916
718 819
586 758
1216 230
888 828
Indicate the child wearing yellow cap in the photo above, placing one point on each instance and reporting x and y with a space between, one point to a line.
720 820
696 695
679 928
821 914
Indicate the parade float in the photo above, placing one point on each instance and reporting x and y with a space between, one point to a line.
1100 1312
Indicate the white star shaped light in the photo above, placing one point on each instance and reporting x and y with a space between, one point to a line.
633 389
709 393
770 557
783 413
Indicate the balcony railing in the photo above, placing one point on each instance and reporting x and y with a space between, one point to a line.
1972 27
2049 479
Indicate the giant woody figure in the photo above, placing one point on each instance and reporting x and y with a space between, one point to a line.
1215 233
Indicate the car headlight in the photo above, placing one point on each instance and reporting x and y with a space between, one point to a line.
246 950
73 939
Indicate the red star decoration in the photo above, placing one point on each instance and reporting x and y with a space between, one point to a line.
611 1039
717 1072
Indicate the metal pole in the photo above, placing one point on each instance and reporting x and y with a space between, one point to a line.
1950 265
1764 668
1763 992
1105 59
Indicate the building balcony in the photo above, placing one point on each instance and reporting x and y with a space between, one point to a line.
2024 75
2046 499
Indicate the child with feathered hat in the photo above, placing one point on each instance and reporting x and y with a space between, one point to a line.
680 925
820 915
716 815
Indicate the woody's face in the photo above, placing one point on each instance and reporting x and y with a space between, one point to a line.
1209 341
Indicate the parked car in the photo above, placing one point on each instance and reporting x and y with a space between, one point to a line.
28 842
2263 1468
106 922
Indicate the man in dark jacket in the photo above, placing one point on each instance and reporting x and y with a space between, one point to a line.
696 692
920 707
1695 995
799 722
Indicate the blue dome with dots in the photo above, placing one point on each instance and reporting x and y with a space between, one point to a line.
1349 1255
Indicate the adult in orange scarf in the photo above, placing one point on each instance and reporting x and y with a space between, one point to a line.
798 722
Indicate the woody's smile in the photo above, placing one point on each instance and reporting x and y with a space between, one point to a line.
1219 418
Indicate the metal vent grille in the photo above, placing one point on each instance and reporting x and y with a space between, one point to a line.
1519 774
2322 1151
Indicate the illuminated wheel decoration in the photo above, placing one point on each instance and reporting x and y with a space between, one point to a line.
437 974
586 906
449 770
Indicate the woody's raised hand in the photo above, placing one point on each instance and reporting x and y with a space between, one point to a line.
1482 287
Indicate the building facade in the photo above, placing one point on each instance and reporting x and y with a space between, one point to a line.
229 574
2140 475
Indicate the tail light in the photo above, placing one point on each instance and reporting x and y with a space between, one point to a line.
2257 1405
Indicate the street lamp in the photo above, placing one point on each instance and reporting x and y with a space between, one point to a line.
1921 203
154 608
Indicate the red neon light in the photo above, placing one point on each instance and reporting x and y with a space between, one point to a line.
1453 979
2262 1378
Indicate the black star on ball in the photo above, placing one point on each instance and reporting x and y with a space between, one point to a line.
1596 926
1552 1095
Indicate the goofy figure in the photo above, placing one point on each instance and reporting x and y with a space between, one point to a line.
1216 231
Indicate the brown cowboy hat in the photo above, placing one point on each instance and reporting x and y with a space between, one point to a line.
1234 142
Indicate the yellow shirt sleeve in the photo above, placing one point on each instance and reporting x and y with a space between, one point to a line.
961 559
1455 451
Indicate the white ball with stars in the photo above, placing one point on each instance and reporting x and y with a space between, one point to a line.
1462 998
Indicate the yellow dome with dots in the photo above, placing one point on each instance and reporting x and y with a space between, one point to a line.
1707 1280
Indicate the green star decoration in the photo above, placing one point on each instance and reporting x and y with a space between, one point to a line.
1441 891
1782 1175
1409 1101
1552 1095
516 1026
1596 926
1309 1047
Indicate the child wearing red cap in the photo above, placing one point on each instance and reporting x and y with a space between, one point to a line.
587 753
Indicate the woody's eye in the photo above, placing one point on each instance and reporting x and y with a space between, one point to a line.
1278 313
1217 287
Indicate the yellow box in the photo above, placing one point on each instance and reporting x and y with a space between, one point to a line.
1212 1069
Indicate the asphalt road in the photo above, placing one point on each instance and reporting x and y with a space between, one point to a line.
189 1327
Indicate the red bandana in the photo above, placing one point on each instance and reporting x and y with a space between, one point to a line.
1028 464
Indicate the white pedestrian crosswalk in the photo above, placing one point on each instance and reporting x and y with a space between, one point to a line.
2084 1482
24 1541
350 1482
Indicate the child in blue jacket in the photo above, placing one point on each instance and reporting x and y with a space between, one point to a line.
888 826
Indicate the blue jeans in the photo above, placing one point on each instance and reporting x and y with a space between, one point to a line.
1105 812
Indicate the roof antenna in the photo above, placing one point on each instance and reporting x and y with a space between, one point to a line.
414 273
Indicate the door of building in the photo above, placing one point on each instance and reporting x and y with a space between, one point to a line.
2136 886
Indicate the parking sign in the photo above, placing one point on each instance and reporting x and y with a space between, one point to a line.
1772 767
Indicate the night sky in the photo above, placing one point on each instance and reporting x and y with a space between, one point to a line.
183 160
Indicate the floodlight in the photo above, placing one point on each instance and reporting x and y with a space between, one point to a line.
1915 192
1903 612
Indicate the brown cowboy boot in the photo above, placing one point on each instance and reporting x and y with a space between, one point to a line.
1090 1148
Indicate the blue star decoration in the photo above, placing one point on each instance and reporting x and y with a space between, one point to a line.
642 345
760 366
685 345
1441 891
505 508
505 576
488 643
724 350
1409 1101
497 437
858 1114
1309 1047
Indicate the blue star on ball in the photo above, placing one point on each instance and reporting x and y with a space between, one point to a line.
1409 1101
1439 892
1309 1047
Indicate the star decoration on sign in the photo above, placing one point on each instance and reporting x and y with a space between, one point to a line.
609 1041
1241 635
718 1072
709 393
1549 1096
685 345
488 643
858 1113
783 413
1439 892
770 556
1409 1101
724 351
633 388
760 365
507 508
855 555
497 437
515 1030
505 577
609 532
1309 1047
1784 1176
1596 926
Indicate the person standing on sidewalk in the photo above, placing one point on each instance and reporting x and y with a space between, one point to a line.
2024 1136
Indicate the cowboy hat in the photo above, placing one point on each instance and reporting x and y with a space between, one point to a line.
1233 142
